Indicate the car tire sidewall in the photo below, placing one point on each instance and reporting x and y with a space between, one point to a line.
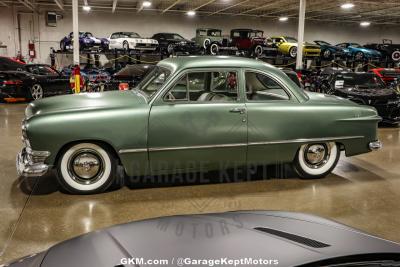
396 55
206 43
71 186
293 48
306 172
258 50
31 90
359 56
327 54
214 47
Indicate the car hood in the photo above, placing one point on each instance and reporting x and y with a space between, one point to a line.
369 93
291 239
85 102
319 98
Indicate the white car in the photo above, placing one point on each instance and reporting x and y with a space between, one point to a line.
131 41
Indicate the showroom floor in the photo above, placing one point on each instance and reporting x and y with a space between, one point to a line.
363 192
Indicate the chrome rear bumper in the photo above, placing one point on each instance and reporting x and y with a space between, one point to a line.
30 163
376 145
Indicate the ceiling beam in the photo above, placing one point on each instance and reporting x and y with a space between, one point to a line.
60 4
4 4
206 3
171 6
27 4
114 6
259 7
228 7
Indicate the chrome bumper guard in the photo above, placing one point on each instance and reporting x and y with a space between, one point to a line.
30 163
376 145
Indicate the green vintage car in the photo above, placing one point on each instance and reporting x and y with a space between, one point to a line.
193 114
213 42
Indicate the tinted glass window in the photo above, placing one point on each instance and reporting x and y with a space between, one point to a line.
41 70
260 87
153 81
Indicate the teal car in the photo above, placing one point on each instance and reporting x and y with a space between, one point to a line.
192 114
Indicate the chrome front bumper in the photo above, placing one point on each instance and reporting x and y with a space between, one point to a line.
30 163
376 145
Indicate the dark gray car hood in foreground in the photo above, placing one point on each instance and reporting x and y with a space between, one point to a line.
291 238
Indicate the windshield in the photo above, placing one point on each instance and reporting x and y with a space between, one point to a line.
291 40
129 35
322 43
216 33
153 81
174 36
355 45
359 80
41 70
256 34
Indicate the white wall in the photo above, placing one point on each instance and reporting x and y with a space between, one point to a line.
104 23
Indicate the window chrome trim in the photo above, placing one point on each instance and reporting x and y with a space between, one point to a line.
291 141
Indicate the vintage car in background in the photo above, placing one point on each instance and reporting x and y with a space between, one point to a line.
131 41
86 42
388 50
34 81
359 52
329 51
129 76
250 41
213 42
365 89
240 237
288 46
192 114
388 75
171 43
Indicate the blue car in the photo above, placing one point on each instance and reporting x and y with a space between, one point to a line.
359 52
329 51
86 42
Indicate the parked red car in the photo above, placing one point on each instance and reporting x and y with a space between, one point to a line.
387 75
251 41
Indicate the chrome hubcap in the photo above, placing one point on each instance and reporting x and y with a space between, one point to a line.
214 49
327 53
86 166
293 52
317 155
37 91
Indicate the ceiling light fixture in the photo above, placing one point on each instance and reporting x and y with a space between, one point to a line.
86 8
283 19
146 4
347 6
365 23
191 13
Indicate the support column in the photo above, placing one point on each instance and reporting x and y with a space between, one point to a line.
75 29
300 34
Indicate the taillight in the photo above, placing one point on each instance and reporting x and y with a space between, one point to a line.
12 82
299 76
123 86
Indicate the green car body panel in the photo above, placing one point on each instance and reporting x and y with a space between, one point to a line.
152 136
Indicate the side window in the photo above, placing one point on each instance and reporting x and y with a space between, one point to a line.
260 87
205 87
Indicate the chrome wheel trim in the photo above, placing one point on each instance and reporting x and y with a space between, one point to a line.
37 91
214 49
170 49
359 55
86 166
327 53
206 43
293 52
317 155
258 50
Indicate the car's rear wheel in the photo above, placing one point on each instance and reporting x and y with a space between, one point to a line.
214 48
86 168
37 91
293 52
327 54
316 160
258 51
359 56
206 43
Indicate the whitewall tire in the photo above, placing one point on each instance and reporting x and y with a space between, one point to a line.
316 160
214 49
86 168
206 43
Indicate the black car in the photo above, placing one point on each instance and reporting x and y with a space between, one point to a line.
35 81
7 63
171 43
329 51
129 76
247 238
365 89
389 50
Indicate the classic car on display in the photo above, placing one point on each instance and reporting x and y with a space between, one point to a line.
329 51
359 52
35 81
388 75
191 114
365 89
388 50
241 238
213 42
288 46
251 41
131 41
170 43
86 42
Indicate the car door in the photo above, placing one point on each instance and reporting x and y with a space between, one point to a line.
199 123
272 111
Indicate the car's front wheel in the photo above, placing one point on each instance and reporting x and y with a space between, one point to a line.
37 91
316 160
359 56
86 168
293 52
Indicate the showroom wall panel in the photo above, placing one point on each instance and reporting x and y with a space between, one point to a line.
145 23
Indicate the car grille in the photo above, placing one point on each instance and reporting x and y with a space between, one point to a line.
141 45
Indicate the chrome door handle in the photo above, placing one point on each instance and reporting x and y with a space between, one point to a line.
238 110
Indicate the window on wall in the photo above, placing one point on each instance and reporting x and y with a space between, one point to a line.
213 86
260 87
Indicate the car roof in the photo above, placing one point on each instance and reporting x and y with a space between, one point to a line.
292 239
209 29
247 30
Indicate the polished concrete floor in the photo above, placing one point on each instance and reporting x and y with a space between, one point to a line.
363 192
